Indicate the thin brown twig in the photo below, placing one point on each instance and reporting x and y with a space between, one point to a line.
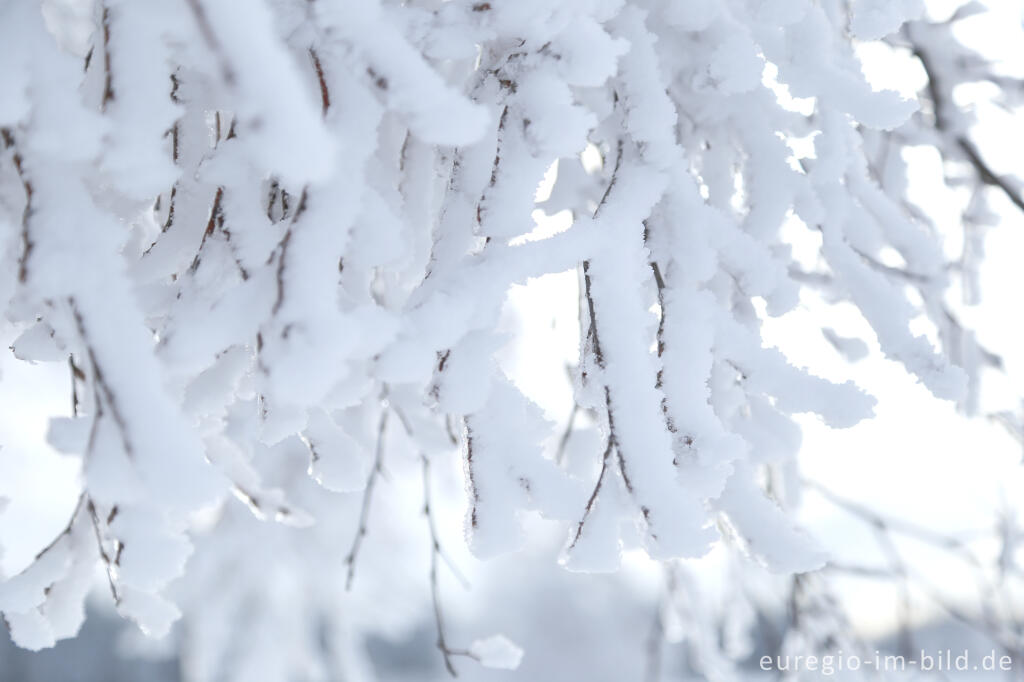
593 494
325 95
595 341
939 104
364 513
563 441
216 218
108 76
282 253
107 561
447 652
407 427
26 238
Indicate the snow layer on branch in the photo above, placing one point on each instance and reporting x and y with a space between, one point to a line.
874 19
27 590
38 344
766 530
879 299
813 63
507 473
273 104
588 54
166 453
889 318
496 651
153 550
766 370
338 462
688 335
139 107
45 602
465 373
436 113
153 613
675 517
735 65
30 630
650 116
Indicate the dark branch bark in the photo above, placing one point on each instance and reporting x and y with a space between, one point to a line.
108 76
940 106
325 95
26 237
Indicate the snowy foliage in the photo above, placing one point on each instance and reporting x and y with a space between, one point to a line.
273 243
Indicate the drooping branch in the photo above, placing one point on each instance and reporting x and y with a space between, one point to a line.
941 104
885 527
594 337
442 642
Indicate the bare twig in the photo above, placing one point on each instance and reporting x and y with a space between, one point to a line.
325 95
898 567
26 238
108 562
216 219
407 427
940 104
564 440
108 76
447 652
595 344
76 375
282 253
259 506
364 512
898 525
593 494
989 176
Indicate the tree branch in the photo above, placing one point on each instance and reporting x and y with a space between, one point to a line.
26 239
364 512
